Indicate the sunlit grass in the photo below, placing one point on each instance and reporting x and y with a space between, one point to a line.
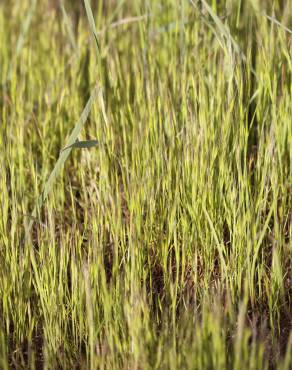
167 245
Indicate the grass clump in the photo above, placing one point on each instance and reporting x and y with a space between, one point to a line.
167 245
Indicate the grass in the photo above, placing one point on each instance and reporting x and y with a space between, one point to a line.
167 245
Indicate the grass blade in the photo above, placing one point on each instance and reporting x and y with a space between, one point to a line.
224 31
69 27
274 20
63 156
91 23
82 144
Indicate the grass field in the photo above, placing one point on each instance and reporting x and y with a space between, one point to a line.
161 239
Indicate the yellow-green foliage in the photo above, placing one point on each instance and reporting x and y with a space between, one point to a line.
167 245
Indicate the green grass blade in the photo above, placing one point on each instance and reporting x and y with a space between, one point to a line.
82 144
91 23
222 28
260 240
224 31
64 155
69 27
274 20
219 245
